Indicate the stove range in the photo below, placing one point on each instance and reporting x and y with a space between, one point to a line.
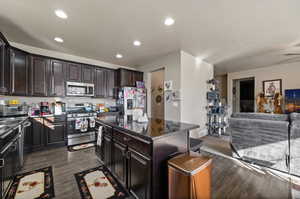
81 125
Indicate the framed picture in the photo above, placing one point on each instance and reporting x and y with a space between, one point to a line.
270 87
168 85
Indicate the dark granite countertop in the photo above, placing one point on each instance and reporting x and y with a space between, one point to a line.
153 129
7 126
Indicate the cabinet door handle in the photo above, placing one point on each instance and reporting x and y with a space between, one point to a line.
1 163
13 72
128 154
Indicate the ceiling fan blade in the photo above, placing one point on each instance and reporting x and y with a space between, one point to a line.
291 54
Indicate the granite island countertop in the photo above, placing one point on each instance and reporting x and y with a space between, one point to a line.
153 129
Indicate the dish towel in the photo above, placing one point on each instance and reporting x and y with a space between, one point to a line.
92 122
99 139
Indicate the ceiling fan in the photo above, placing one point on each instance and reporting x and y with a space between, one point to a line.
292 54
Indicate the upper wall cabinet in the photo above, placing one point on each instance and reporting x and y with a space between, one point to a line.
18 72
73 72
104 82
128 77
100 85
38 73
110 83
57 78
4 66
88 74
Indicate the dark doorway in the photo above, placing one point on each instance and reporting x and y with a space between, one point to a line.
247 95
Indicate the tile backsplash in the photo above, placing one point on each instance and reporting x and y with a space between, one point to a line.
68 100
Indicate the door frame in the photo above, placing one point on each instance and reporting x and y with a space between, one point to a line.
236 93
149 85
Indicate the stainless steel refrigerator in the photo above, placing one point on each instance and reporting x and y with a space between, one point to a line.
132 102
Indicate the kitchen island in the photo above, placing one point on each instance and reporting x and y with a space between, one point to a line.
137 153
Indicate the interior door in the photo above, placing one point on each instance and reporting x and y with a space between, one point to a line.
157 94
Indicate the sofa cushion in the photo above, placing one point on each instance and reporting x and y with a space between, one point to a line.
264 142
262 116
295 117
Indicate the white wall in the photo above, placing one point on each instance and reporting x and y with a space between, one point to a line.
189 77
194 76
289 73
64 56
171 64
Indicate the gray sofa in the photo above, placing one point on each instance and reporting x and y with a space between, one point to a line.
262 139
295 144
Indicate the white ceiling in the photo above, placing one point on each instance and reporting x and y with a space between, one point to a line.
232 34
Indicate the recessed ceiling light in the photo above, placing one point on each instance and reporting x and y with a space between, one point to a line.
61 14
119 56
169 21
58 39
137 43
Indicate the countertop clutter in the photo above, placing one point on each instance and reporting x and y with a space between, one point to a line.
153 129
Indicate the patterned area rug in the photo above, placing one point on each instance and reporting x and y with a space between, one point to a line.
80 147
37 184
98 183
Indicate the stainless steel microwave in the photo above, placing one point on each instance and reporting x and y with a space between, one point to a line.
79 89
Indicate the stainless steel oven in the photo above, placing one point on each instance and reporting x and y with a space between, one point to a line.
9 163
81 127
79 89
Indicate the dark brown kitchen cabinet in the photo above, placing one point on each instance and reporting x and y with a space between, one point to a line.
55 133
120 162
18 72
107 149
110 74
88 74
57 78
138 76
100 85
104 82
127 77
139 175
4 66
74 72
39 76
37 134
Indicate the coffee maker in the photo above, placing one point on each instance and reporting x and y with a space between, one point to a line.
45 109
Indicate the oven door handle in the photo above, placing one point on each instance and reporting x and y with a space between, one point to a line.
8 146
27 124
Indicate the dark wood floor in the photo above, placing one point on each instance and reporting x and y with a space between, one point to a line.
65 164
230 178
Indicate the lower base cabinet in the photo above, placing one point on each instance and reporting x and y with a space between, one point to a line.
43 134
131 168
120 162
55 134
107 151
139 179
37 134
